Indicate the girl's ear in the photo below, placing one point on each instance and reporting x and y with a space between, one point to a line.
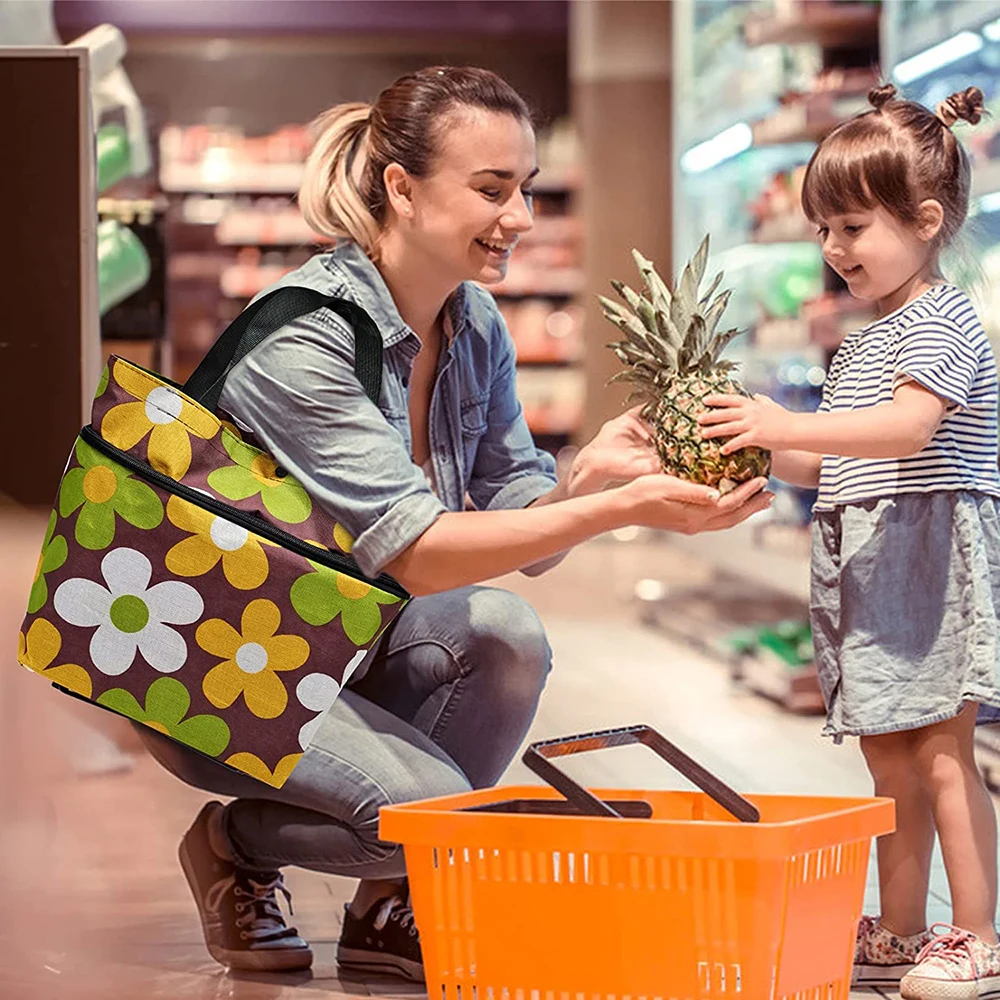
398 189
930 219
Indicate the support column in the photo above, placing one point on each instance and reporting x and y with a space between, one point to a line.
620 70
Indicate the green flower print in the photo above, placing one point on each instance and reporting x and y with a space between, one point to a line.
102 383
53 555
254 473
105 489
319 597
167 702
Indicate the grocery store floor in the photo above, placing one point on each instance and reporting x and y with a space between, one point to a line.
96 906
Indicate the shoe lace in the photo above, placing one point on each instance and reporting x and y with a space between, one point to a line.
949 946
262 916
397 909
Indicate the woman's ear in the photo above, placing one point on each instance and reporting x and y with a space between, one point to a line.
930 219
398 189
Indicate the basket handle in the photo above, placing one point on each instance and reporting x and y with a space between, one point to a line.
536 757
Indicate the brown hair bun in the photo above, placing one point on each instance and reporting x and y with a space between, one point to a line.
879 96
966 105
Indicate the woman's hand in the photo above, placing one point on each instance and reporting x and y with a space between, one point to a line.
758 421
621 451
671 504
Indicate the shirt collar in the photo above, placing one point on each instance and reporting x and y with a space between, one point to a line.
367 288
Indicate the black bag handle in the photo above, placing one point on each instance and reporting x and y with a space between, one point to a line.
537 754
271 312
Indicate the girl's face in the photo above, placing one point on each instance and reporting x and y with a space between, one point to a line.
466 217
874 252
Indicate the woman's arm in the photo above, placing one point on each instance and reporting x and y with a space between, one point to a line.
890 430
799 468
471 546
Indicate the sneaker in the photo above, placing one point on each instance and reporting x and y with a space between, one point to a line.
882 958
244 927
384 940
955 965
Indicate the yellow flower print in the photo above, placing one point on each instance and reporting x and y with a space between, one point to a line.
243 561
252 764
342 539
40 647
252 659
164 412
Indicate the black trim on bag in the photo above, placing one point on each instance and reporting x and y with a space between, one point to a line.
252 522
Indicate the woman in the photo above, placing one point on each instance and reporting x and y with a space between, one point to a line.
425 191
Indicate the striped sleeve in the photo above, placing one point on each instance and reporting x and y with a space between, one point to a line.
936 354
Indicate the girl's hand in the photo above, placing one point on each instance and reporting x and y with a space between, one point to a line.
671 504
758 421
621 451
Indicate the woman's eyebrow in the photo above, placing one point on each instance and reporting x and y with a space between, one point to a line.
504 175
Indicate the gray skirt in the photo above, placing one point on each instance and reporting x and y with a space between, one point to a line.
905 608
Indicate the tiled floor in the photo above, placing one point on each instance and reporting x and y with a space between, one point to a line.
96 907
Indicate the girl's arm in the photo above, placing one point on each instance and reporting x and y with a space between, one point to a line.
800 468
890 430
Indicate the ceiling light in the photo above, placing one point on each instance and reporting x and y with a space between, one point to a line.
950 50
721 147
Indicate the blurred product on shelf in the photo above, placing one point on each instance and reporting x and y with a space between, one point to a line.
543 331
830 22
135 326
552 399
777 661
808 117
777 211
222 159
114 157
265 222
122 264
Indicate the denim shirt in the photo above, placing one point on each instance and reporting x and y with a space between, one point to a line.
298 393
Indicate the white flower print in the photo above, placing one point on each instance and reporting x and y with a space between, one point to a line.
318 692
130 614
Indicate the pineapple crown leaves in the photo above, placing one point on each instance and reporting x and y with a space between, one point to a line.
669 330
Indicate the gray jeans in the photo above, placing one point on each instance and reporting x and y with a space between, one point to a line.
443 706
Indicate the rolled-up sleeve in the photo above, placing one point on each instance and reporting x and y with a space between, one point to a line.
509 471
298 393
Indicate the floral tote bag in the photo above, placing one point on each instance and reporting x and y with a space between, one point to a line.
188 582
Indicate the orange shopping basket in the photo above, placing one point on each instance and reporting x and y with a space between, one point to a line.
521 894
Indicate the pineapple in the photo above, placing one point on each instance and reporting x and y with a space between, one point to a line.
672 353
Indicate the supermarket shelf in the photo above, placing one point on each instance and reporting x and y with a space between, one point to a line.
238 178
812 21
961 15
807 120
739 551
544 361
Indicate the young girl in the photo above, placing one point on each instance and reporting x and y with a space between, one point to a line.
906 539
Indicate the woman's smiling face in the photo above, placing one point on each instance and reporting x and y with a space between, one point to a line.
469 212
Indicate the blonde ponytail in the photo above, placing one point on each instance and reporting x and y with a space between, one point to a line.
332 196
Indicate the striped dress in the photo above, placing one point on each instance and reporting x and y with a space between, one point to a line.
906 551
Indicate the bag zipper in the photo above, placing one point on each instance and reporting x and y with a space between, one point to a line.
252 522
